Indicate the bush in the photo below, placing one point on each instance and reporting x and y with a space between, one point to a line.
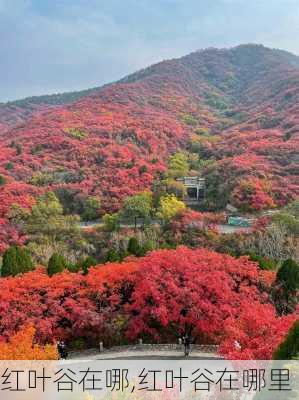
138 206
264 263
16 260
269 121
289 348
87 263
178 165
73 267
293 208
22 346
176 188
288 221
189 119
112 256
91 209
142 169
76 133
9 166
122 254
288 275
111 222
134 247
202 131
56 264
19 149
149 245
284 292
169 207
77 344
2 180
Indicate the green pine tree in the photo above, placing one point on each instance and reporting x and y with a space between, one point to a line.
288 275
289 348
2 180
285 289
87 263
134 247
264 263
25 260
16 260
148 246
56 264
9 264
112 256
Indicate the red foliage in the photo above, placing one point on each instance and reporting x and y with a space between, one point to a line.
253 194
194 228
267 278
216 295
157 296
9 236
255 334
193 219
130 128
16 193
263 160
195 287
13 193
66 306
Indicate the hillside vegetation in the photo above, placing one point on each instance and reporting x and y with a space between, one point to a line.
233 112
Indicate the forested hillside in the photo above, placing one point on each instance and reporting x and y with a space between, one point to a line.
234 112
96 240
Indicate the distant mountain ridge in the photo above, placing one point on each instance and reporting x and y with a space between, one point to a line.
16 111
13 112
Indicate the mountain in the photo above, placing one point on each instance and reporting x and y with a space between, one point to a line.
237 109
241 69
18 111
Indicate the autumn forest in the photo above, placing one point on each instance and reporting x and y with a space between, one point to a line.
98 241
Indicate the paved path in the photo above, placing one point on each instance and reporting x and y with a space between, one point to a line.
222 228
100 224
141 355
227 229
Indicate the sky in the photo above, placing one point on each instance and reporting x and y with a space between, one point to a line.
50 46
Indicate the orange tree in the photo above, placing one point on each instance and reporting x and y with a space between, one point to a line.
22 346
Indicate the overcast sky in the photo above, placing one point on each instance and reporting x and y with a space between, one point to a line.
50 46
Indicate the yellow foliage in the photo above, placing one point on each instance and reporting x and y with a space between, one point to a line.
178 165
21 347
195 138
175 187
169 207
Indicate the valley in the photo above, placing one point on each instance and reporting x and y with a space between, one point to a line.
162 204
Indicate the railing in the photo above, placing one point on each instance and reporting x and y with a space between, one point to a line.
161 347
145 348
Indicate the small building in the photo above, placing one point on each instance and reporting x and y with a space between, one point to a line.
240 222
195 189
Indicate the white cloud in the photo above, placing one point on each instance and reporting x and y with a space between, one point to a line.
58 45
